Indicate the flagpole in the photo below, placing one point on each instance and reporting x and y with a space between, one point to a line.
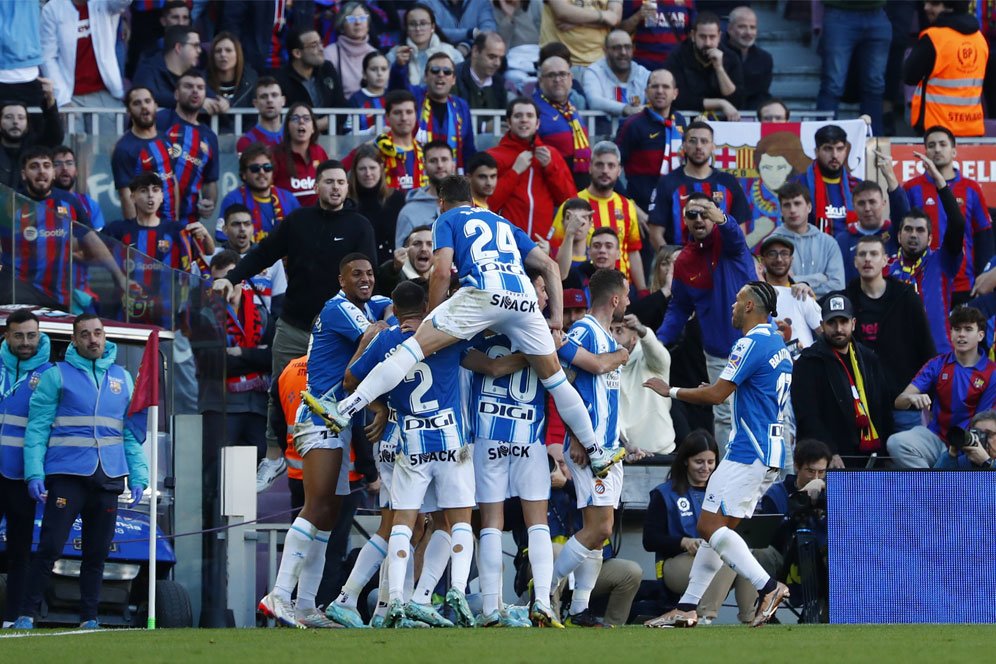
153 510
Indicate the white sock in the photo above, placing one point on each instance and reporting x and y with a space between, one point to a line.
572 555
398 554
585 577
704 567
489 566
409 589
384 377
312 571
541 562
367 563
383 594
437 556
296 545
462 547
734 551
571 408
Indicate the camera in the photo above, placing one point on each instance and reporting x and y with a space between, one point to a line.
959 438
801 507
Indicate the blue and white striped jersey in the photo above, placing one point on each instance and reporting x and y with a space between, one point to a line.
428 401
510 408
599 392
761 367
488 250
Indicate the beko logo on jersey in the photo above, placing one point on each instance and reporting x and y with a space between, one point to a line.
446 455
526 413
502 451
513 304
441 421
300 184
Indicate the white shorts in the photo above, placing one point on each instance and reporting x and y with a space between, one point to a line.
450 473
596 491
310 436
736 488
509 470
384 460
515 315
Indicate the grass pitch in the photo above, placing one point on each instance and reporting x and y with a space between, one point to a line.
777 643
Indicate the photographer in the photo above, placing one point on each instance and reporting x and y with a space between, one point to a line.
974 449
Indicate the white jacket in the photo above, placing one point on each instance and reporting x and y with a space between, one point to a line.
600 83
644 416
59 19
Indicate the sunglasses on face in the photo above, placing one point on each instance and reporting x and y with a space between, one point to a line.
436 71
692 215
260 168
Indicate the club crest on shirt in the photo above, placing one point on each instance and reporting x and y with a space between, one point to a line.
979 383
60 502
619 215
115 385
164 245
718 197
34 380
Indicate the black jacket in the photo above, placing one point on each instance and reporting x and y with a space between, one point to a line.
492 97
757 67
822 400
327 80
903 343
46 130
697 81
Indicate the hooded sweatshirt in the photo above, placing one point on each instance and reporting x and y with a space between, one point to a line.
421 208
816 260
13 373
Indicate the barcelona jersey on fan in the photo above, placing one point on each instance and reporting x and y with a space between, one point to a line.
133 156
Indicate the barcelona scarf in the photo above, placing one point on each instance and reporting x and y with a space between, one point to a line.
244 329
454 127
253 203
818 187
194 253
582 148
396 171
869 439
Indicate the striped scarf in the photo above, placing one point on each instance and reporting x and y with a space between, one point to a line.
244 329
396 164
582 148
869 440
454 127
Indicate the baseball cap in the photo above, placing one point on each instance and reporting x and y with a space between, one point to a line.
574 298
777 239
837 306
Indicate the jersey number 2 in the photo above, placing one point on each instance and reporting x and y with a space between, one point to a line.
423 374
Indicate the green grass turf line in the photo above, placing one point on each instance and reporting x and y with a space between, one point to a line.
824 643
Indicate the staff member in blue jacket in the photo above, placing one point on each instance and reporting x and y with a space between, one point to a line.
24 356
670 533
77 453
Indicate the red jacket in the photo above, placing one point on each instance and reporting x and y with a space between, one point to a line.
529 200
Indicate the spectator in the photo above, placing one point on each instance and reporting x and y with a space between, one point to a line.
644 423
708 74
482 171
421 39
973 457
269 101
670 532
601 250
461 21
314 240
668 200
816 260
756 63
650 141
298 154
891 320
658 28
441 115
64 162
193 147
385 23
869 203
142 150
79 40
270 284
266 29
947 65
308 78
650 309
422 205
373 199
840 393
612 210
860 33
16 135
931 272
954 386
412 260
267 205
351 46
614 84
479 79
533 179
560 123
404 164
798 312
147 29
376 73
518 21
829 182
940 147
76 481
581 26
711 268
22 54
229 75
773 110
161 76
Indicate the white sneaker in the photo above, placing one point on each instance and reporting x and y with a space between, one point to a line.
268 471
279 609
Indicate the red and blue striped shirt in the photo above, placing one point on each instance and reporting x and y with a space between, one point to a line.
194 150
133 155
259 135
667 201
958 392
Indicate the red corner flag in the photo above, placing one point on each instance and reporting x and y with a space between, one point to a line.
146 392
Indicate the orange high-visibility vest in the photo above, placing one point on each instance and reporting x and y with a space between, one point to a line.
293 379
952 95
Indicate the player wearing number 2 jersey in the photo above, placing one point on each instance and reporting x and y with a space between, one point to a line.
759 373
490 255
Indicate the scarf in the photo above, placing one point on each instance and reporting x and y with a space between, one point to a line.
454 127
673 135
256 209
869 441
818 186
581 159
244 329
911 272
764 201
396 171
348 59
194 253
